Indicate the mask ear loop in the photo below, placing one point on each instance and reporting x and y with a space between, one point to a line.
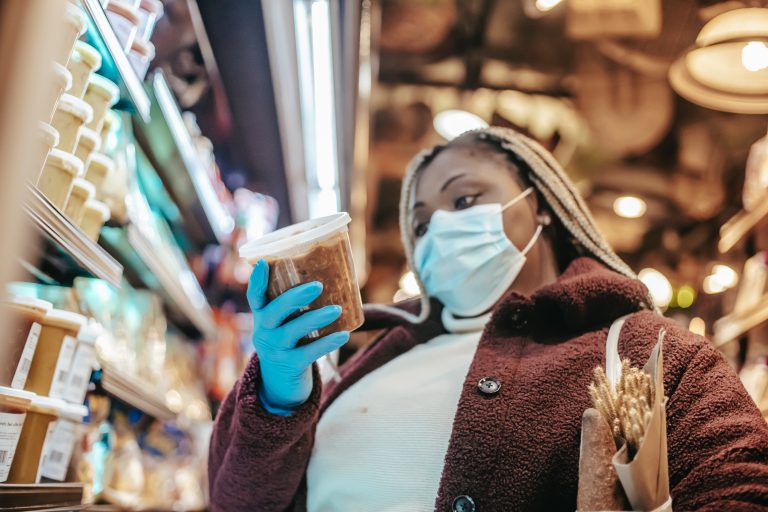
517 199
539 227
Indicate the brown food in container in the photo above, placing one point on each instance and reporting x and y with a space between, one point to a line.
13 409
42 412
25 319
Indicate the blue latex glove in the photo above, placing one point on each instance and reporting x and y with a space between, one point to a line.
286 370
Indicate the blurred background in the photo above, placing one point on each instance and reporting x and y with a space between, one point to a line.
223 120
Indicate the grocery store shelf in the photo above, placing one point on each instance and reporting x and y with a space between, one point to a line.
171 150
115 64
135 392
732 326
88 255
41 497
740 224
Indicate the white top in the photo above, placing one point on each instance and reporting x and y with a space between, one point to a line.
381 445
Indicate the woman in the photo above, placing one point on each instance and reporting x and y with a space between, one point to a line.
472 398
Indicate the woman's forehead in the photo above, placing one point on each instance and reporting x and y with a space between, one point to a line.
471 157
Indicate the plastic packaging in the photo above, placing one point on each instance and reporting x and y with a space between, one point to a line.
49 373
101 94
26 320
314 250
58 175
60 443
38 426
95 215
99 167
71 113
140 56
124 20
149 12
75 23
82 191
13 409
89 142
61 82
47 139
84 61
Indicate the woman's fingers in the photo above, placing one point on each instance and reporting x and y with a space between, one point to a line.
290 301
313 351
310 321
257 286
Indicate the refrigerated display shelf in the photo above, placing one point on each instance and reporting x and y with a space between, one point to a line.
88 255
135 392
115 64
41 497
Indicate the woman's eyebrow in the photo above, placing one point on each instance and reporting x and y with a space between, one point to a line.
451 180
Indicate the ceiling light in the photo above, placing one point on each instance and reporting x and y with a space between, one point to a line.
685 296
754 56
658 285
409 285
697 326
630 207
711 285
547 5
452 123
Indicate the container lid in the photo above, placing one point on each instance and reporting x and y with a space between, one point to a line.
124 9
101 163
152 6
144 48
65 161
48 133
83 187
77 17
89 54
90 333
30 303
76 107
99 207
93 139
65 319
17 394
62 76
47 405
104 87
283 240
73 412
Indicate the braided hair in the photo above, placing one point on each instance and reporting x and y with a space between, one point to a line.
551 182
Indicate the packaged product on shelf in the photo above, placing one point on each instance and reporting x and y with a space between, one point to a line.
58 176
95 215
84 61
90 453
314 250
82 192
71 113
110 126
61 82
124 19
141 54
26 317
101 94
89 142
13 409
38 425
49 373
98 169
83 363
149 12
75 23
47 139
124 478
61 442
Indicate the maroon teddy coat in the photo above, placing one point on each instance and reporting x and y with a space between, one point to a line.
518 449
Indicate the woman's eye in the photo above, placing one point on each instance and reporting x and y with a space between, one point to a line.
464 202
421 229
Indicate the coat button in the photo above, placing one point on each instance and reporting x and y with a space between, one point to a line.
489 385
463 504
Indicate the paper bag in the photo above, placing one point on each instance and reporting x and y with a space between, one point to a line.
599 487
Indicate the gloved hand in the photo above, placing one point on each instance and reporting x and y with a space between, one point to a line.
286 370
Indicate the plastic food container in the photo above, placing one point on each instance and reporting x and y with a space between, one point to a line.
61 82
101 95
99 167
314 250
84 61
38 426
149 12
13 409
26 322
95 214
141 54
61 440
82 191
49 373
89 142
47 139
71 113
124 20
58 175
83 363
75 23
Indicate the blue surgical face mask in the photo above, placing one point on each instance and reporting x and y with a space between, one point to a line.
465 259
